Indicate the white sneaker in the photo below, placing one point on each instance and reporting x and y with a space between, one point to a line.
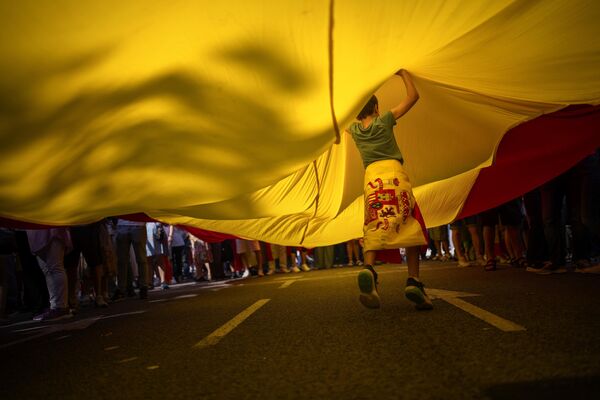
295 268
305 268
246 273
284 269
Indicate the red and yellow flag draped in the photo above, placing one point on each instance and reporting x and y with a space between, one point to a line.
223 115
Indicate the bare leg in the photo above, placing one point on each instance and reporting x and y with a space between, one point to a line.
370 257
259 261
446 248
457 240
412 261
475 240
489 234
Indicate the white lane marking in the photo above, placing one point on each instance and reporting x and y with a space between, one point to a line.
287 278
157 301
111 348
452 297
486 316
185 296
126 360
151 367
29 322
62 337
287 283
123 314
31 329
216 336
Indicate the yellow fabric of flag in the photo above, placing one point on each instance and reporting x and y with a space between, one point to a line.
218 114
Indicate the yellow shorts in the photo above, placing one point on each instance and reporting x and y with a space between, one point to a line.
392 217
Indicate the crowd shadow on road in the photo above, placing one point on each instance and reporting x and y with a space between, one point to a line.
560 388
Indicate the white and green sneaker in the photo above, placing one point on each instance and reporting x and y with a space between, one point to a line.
367 283
415 292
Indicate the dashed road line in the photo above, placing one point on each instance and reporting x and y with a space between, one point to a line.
287 283
216 336
126 360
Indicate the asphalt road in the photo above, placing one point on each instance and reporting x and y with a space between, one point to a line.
506 334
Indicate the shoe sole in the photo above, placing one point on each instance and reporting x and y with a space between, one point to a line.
551 272
415 295
368 295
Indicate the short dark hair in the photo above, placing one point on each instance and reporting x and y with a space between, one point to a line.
369 108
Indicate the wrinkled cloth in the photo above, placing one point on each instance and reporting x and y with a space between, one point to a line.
392 219
229 125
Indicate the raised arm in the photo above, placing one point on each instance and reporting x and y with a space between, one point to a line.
411 95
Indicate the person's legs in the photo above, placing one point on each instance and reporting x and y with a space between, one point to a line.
139 238
177 262
56 279
489 238
458 250
370 257
445 246
259 262
552 194
590 198
476 243
415 290
349 252
574 198
123 244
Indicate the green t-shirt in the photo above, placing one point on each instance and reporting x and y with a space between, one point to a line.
377 141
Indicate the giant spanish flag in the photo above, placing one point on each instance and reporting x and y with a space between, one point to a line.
229 116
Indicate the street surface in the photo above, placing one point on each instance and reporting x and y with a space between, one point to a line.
507 334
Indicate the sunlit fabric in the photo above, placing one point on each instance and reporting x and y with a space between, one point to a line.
219 115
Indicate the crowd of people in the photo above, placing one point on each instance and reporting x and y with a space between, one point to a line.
51 272
551 229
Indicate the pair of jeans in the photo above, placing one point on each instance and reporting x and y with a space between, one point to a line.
131 236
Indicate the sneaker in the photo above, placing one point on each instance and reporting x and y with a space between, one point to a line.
550 268
415 292
261 272
270 272
143 293
284 269
367 283
164 286
533 267
246 273
100 302
480 261
295 268
595 269
490 265
359 263
581 266
53 314
117 296
462 262
305 268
